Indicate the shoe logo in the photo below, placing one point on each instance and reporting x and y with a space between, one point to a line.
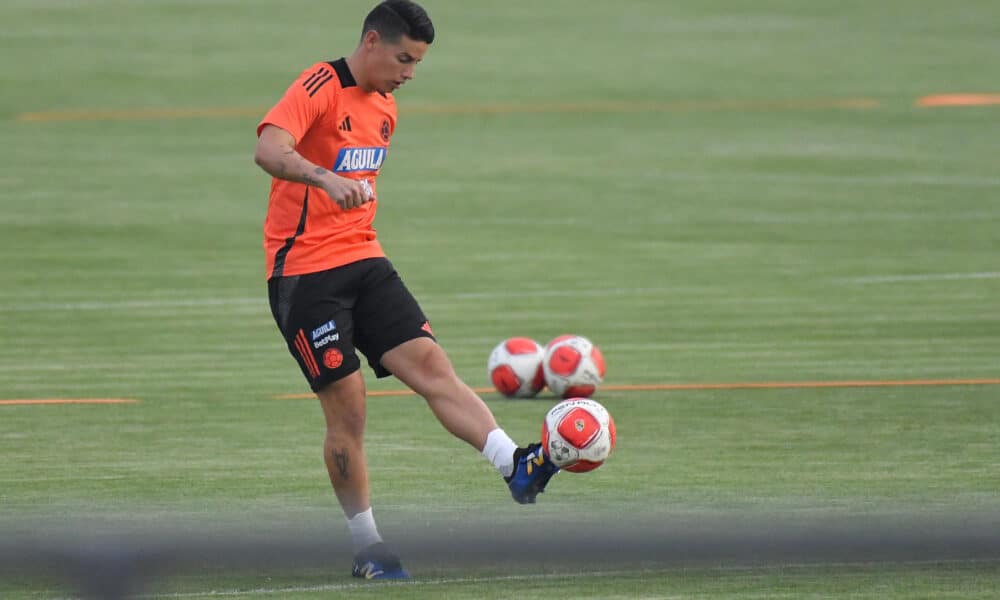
345 125
534 461
369 570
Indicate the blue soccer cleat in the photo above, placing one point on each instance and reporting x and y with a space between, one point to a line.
532 471
376 562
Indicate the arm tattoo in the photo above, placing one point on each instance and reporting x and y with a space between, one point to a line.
341 459
314 179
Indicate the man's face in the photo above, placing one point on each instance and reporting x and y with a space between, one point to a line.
391 64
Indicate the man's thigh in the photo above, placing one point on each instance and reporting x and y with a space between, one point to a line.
386 315
314 313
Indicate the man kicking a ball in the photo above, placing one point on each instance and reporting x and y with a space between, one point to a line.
331 288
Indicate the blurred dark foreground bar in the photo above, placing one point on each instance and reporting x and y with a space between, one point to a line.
109 564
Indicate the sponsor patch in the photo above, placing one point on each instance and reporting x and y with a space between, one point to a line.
353 160
323 329
332 337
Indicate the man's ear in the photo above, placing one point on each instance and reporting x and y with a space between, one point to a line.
371 39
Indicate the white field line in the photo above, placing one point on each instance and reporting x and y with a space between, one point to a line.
560 293
131 304
551 576
923 277
877 180
387 584
15 305
97 305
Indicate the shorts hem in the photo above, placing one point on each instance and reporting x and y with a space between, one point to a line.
380 371
328 377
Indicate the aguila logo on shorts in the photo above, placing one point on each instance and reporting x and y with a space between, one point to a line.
324 328
332 358
353 160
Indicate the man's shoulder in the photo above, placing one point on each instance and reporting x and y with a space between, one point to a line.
325 76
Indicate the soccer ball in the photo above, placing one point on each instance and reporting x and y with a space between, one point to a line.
578 434
573 366
515 367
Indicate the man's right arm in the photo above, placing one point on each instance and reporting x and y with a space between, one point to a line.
276 154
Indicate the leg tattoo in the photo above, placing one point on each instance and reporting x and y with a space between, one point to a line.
341 459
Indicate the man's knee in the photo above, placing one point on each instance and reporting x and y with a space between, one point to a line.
435 364
419 358
343 403
423 366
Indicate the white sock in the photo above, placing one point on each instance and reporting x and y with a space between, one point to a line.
363 530
499 450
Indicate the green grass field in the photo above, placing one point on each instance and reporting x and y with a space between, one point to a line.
713 191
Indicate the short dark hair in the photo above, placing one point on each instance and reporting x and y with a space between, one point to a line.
395 18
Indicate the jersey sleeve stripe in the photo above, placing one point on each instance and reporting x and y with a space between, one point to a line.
319 83
313 77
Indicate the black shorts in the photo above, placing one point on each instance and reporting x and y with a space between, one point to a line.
324 316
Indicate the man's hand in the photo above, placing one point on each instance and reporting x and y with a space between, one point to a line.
347 193
276 154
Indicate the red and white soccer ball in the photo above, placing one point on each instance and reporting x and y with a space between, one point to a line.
573 366
515 367
578 434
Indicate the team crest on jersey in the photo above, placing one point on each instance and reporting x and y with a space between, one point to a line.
385 130
351 160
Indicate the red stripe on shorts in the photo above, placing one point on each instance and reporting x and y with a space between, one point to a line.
306 353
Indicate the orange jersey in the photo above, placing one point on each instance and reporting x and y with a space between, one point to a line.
339 126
